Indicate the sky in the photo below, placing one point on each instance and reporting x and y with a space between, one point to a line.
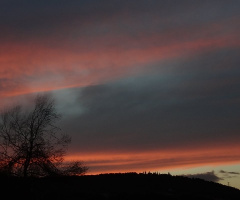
142 85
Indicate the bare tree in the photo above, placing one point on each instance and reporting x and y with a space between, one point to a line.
30 142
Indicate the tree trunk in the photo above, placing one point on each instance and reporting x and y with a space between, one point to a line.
26 165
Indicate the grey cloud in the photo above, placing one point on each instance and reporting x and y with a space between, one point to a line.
229 174
235 173
30 19
164 109
208 176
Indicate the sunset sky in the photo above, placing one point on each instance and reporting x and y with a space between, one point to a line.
142 85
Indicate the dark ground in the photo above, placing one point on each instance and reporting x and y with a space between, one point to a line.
115 186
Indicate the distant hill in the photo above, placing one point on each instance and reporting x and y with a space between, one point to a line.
126 186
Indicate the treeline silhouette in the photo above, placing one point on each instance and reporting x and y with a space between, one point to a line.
117 186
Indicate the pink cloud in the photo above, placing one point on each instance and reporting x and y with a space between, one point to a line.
37 67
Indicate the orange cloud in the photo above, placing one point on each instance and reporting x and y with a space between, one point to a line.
157 160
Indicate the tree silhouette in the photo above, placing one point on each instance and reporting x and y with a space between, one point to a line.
31 144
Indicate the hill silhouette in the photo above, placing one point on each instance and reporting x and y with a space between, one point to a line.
124 186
